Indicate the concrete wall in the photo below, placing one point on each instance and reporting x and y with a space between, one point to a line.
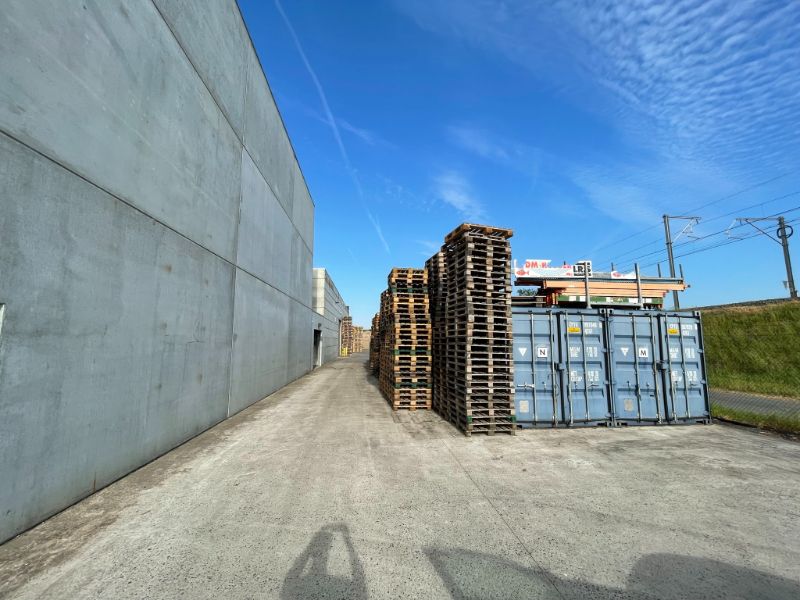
330 308
156 238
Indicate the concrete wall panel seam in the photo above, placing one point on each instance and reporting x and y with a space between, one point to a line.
263 72
266 180
108 92
107 308
222 108
136 208
240 135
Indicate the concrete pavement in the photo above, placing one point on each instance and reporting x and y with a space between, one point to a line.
320 491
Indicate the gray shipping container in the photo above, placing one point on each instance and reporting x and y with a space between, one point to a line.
560 367
686 382
636 388
676 360
605 366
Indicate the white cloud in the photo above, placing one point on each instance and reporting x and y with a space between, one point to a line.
710 85
453 189
500 150
720 80
429 247
638 193
709 72
479 142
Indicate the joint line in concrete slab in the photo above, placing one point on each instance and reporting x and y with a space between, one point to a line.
503 519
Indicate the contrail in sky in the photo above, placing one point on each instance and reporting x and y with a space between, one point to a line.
334 127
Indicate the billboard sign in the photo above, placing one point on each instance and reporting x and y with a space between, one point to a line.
543 269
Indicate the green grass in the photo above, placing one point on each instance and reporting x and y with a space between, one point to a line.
754 349
771 422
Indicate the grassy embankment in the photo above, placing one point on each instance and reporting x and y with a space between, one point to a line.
755 349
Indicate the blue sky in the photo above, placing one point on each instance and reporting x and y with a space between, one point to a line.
577 124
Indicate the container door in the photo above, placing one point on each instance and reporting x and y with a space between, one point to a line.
585 396
684 383
633 342
535 375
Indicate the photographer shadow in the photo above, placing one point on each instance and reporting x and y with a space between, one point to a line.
309 576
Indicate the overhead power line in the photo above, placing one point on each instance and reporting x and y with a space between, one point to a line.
705 221
739 193
689 242
709 235
697 208
719 244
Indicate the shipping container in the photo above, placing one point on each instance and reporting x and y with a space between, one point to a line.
683 361
560 367
657 367
605 366
636 388
537 392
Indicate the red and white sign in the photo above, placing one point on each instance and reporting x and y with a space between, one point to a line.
541 269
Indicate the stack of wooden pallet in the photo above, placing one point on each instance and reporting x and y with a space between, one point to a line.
355 340
384 344
405 363
479 368
375 344
347 335
366 339
435 267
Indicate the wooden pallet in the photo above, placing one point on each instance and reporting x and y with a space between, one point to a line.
406 363
420 404
482 230
407 273
423 359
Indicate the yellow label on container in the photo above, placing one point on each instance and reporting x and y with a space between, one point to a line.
574 329
673 331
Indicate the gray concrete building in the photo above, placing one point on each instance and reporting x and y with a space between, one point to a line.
329 308
156 239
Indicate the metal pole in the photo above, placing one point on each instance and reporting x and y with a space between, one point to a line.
586 287
784 237
639 285
783 240
668 235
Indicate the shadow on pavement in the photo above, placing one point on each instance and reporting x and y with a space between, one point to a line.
370 375
309 576
473 575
